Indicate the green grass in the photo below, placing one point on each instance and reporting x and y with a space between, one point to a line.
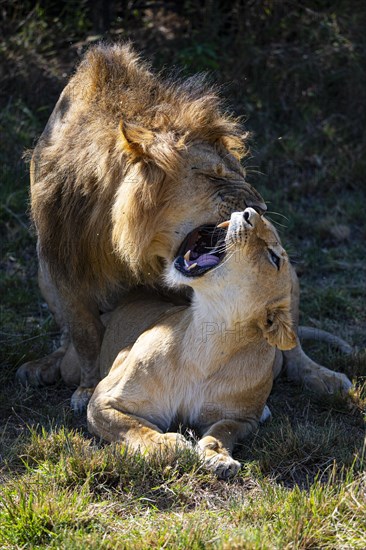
72 493
297 74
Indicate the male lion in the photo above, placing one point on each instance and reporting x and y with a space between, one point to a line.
209 366
127 166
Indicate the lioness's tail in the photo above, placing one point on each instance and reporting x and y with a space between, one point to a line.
310 333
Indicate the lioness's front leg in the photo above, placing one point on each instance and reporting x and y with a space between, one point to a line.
218 442
108 418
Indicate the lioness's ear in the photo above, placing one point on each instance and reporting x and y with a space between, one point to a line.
135 139
277 329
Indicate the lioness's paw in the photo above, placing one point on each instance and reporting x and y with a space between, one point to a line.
223 466
326 381
80 399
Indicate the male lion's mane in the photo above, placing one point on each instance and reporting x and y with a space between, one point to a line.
106 165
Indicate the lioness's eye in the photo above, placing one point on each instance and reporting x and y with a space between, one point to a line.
274 259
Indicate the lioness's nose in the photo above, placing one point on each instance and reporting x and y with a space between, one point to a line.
249 215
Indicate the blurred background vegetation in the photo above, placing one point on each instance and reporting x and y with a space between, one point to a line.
295 71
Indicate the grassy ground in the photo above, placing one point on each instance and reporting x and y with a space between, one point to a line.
298 75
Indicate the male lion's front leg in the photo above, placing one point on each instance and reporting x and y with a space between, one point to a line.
108 418
86 331
302 369
46 371
79 320
218 442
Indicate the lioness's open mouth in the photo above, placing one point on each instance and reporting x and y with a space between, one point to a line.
202 250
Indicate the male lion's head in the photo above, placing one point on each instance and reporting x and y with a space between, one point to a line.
180 155
204 184
128 165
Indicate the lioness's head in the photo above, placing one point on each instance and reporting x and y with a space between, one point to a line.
240 269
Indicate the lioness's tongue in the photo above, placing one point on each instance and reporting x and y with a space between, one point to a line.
207 260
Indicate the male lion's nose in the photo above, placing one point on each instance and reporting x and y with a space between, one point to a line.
253 199
259 207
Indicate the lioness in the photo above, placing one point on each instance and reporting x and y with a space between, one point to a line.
209 366
127 166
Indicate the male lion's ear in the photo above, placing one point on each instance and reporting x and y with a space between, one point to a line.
277 329
135 139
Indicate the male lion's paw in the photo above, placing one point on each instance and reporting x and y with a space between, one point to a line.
222 465
80 399
326 381
42 372
266 415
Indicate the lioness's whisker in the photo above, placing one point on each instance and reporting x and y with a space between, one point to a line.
277 223
228 248
227 257
277 214
217 249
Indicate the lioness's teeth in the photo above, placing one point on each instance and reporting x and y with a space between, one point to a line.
191 266
187 255
224 224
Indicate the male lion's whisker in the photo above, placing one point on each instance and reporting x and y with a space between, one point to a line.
254 171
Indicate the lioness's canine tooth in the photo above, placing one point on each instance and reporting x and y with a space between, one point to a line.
187 255
224 224
192 266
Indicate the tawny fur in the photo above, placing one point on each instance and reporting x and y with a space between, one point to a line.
115 144
128 164
209 366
